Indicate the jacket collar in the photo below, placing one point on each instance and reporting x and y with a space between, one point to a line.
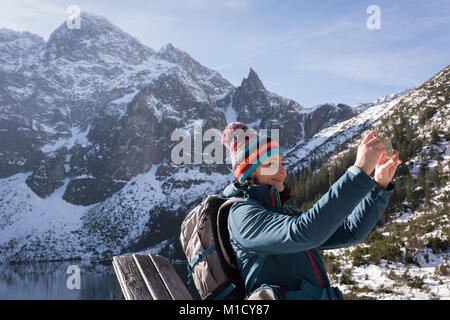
266 194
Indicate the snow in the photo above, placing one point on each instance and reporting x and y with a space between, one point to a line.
379 284
377 278
156 249
339 133
33 215
77 137
46 128
230 113
447 150
55 229
127 98
390 280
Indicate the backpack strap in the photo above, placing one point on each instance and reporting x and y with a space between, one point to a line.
222 223
195 260
222 230
222 218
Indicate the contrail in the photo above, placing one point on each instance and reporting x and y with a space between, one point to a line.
319 33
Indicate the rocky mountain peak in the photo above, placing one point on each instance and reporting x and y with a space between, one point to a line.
326 115
17 48
116 169
8 35
95 35
90 26
170 52
252 82
177 56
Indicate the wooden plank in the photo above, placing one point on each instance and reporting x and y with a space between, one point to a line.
169 276
151 277
117 269
130 279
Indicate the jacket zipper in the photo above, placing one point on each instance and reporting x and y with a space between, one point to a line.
309 253
315 269
272 191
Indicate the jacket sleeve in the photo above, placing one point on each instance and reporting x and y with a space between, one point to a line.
263 231
357 226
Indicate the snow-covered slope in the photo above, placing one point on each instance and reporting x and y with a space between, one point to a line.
408 255
325 141
85 123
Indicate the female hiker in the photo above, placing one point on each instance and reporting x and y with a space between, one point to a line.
276 246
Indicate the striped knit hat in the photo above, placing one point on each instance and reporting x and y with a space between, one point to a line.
247 149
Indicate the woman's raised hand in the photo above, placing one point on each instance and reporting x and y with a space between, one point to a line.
369 152
385 169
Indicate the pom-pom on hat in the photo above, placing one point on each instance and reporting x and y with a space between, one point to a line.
247 149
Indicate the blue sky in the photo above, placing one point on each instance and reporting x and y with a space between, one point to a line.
310 51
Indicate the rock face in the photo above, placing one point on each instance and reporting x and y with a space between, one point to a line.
86 120
49 175
92 43
262 109
18 49
326 115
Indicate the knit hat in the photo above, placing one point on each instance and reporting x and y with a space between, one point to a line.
247 149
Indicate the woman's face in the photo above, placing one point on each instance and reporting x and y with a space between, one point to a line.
272 172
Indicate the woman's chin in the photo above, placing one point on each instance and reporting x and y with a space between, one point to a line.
280 186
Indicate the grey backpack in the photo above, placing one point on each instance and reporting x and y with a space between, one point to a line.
205 241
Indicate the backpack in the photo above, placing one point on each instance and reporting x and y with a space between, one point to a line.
211 261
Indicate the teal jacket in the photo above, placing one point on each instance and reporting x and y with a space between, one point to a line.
291 239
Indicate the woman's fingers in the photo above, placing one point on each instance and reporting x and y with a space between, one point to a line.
392 163
376 144
383 159
388 164
396 157
369 136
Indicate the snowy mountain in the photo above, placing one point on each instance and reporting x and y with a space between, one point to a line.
17 48
360 107
85 139
330 136
85 155
407 255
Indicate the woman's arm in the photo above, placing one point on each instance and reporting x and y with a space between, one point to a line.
358 225
264 231
363 219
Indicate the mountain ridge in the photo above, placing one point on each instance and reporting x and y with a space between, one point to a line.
89 132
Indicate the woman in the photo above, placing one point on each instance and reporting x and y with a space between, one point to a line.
276 246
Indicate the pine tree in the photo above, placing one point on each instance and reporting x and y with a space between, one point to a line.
409 133
427 194
332 176
435 135
409 189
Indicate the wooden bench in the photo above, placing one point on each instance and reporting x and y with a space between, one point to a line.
149 277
